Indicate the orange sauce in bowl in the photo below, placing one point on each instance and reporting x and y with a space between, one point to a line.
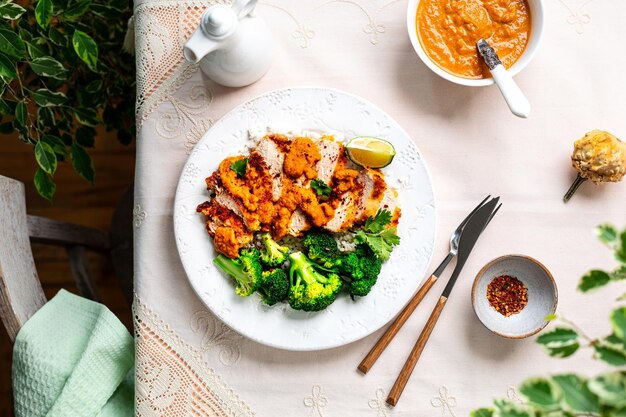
449 29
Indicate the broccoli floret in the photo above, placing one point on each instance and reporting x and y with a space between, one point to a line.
349 265
311 290
369 267
274 286
272 254
246 270
322 248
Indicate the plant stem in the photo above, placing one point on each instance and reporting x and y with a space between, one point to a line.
572 189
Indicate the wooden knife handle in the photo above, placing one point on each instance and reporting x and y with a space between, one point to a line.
411 361
395 326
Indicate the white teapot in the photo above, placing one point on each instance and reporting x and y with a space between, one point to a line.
233 46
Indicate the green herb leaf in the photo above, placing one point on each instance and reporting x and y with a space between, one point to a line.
540 393
7 107
21 113
43 12
576 393
618 322
7 68
551 317
11 44
560 342
56 37
619 274
86 48
49 67
607 233
381 244
593 279
87 117
378 223
82 163
610 388
482 412
11 11
321 188
240 167
44 184
56 143
46 158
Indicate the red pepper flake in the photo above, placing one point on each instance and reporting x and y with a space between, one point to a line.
507 295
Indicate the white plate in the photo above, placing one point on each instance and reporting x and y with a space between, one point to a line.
316 110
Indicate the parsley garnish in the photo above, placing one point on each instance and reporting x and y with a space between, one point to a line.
321 188
379 239
240 166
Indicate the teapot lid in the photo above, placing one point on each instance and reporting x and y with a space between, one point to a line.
219 21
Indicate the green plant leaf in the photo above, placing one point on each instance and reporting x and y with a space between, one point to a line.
607 233
46 158
45 117
576 393
35 50
7 68
56 143
43 12
610 354
620 248
506 408
618 322
85 135
7 107
593 279
76 9
95 86
49 67
57 37
610 388
551 317
482 412
21 113
560 342
86 48
11 44
619 273
82 163
44 184
540 393
87 117
11 11
47 98
378 223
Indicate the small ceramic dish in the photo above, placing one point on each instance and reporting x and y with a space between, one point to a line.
542 296
536 34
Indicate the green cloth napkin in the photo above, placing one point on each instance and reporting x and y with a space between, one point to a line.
73 358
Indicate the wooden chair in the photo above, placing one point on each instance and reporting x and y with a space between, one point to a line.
21 294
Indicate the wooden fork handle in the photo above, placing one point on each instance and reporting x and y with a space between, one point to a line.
395 326
411 361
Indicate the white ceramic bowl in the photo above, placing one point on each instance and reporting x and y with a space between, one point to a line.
536 34
542 296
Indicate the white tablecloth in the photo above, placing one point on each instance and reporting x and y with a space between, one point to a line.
187 360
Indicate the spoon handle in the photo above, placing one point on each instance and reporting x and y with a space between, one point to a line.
514 97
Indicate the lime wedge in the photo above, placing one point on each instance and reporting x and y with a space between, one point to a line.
370 152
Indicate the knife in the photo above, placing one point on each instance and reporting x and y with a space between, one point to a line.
475 225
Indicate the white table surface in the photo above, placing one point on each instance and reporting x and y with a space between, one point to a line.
473 147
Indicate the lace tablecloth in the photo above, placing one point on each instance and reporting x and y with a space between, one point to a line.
189 363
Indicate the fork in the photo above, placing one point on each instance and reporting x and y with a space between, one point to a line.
395 326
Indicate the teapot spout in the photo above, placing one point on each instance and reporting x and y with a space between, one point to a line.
198 46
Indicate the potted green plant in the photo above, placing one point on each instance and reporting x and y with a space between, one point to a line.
62 75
